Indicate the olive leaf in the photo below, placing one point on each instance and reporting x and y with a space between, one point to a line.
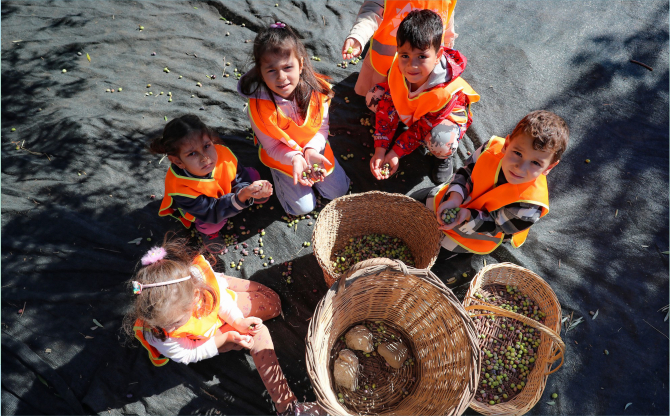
551 403
574 324
165 118
42 380
136 241
95 321
627 404
665 252
595 314
88 57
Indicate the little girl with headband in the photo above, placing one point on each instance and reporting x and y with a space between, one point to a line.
288 110
187 312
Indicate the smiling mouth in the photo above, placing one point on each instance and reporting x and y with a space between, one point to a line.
284 86
413 74
514 175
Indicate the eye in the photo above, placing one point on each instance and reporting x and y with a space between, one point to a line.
422 57
191 154
404 56
536 163
208 145
270 71
517 153
288 68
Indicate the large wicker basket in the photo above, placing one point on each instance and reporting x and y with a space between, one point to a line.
441 335
551 347
375 212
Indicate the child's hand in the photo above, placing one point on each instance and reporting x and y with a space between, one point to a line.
312 157
376 162
264 192
462 216
246 341
392 159
299 166
454 199
250 325
355 46
250 190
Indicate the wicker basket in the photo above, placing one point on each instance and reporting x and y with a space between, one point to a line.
375 212
432 321
551 347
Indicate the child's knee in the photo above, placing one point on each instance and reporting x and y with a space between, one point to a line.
443 139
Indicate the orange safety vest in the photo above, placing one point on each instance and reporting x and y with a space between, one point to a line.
196 328
486 195
218 185
383 44
269 118
411 110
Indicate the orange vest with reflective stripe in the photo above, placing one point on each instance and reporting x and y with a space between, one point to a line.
383 44
220 184
411 110
196 328
273 123
487 196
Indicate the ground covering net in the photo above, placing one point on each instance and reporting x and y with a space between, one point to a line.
77 182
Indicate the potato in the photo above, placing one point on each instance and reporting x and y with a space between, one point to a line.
360 338
394 353
345 370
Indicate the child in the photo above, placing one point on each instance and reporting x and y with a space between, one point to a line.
424 91
380 23
204 184
288 110
502 189
187 312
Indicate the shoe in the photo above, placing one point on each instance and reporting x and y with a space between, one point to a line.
305 408
441 170
213 243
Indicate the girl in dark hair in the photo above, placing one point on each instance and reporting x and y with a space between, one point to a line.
288 110
205 184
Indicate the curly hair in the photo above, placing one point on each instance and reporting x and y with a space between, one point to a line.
548 131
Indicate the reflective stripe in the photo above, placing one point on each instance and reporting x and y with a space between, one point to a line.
477 236
380 48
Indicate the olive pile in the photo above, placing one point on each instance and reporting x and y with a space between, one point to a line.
510 351
377 380
371 246
316 173
449 215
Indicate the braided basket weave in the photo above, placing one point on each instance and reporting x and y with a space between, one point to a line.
551 347
431 322
375 212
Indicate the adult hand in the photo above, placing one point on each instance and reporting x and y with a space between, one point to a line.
355 46
376 162
299 166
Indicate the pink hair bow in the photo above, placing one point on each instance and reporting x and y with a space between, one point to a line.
278 25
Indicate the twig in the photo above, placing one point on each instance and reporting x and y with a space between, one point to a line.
656 329
223 74
633 61
324 19
106 249
209 394
24 309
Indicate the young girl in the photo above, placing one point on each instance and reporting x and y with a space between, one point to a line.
187 312
204 184
288 110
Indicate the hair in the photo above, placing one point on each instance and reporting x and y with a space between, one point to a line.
422 29
159 306
178 131
548 131
282 41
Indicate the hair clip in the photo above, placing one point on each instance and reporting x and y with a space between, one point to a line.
153 255
278 25
137 286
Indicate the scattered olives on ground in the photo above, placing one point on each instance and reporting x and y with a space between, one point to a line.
371 246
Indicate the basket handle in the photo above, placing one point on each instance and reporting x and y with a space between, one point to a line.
557 341
356 268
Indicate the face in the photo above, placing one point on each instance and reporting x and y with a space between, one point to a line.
198 156
416 64
521 163
281 74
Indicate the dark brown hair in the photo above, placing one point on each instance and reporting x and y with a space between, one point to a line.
548 131
180 130
282 41
157 307
422 28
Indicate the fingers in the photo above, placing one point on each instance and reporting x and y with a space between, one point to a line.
347 44
295 178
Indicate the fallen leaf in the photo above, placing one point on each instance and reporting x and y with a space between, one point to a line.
452 280
595 315
165 118
564 319
88 57
551 403
47 384
136 241
88 337
93 328
48 350
666 252
645 246
627 404
95 321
